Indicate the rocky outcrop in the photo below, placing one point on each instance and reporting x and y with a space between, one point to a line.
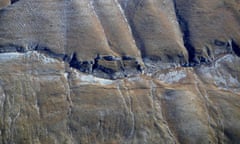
109 67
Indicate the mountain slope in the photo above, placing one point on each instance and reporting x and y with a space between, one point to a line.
119 71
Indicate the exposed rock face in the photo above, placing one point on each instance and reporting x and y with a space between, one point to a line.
119 71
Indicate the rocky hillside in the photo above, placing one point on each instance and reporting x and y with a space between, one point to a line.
119 71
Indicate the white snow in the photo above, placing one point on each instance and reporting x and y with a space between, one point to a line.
4 57
40 57
219 80
2 97
172 76
135 79
66 75
233 80
221 77
90 79
226 81
34 55
226 58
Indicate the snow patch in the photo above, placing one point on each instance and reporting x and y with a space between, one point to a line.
90 79
233 80
135 79
32 55
4 57
40 57
2 97
221 77
172 76
65 75
227 58
226 81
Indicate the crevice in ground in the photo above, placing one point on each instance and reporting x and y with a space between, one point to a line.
184 27
14 1
235 48
135 34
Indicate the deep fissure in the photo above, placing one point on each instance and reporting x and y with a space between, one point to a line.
184 26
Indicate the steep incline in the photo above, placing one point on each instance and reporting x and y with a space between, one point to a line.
167 31
119 71
156 30
44 101
208 26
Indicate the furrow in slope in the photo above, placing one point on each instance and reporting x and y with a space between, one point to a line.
208 26
116 27
156 30
85 34
33 25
